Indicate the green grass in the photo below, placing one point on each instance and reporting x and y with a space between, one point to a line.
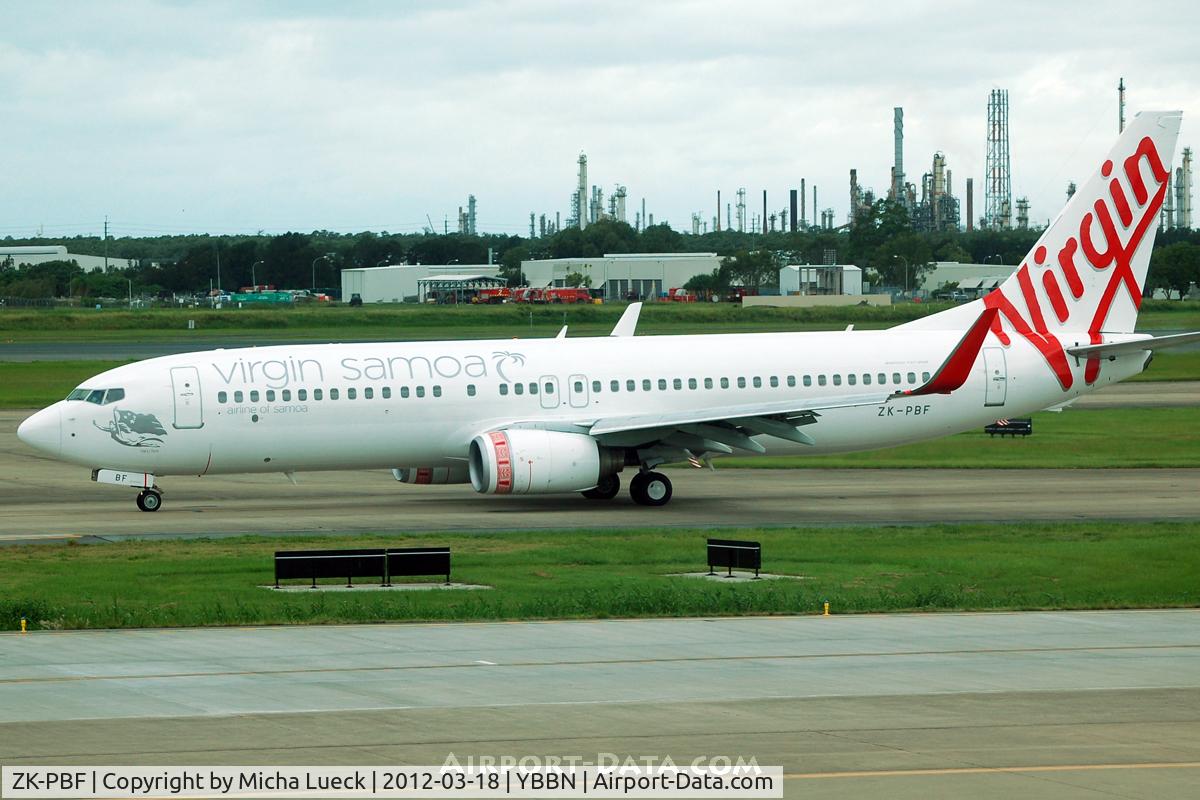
593 574
1075 438
1172 366
39 383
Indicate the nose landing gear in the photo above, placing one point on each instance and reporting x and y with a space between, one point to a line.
149 500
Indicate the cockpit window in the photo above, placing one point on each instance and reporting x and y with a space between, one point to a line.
96 396
79 394
113 395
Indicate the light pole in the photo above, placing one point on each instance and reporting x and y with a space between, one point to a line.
905 260
130 282
314 268
996 256
387 260
254 280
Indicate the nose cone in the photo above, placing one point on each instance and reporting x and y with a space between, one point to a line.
43 431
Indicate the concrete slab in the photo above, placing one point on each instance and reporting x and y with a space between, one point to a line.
988 705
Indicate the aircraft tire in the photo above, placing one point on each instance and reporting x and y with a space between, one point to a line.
149 500
608 488
650 489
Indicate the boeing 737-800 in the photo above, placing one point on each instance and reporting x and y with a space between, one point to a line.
569 415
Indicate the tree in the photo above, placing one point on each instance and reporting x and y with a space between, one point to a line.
575 279
1174 268
751 269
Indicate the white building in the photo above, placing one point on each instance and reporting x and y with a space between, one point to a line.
813 279
28 255
967 277
398 283
621 275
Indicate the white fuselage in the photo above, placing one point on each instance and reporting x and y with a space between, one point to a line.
419 404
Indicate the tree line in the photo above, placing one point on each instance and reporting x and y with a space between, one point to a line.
882 241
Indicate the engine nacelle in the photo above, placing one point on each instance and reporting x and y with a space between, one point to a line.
522 461
431 475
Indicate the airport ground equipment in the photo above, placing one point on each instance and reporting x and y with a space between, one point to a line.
363 563
1009 427
412 561
733 553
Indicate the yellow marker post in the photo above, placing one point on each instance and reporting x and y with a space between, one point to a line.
826 614
24 622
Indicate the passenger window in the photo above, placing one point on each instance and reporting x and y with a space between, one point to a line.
895 377
96 396
851 379
925 377
549 387
270 395
677 383
503 389
741 383
386 392
692 383
368 393
578 387
791 381
757 382
237 397
724 383
533 387
301 394
708 384
518 388
404 391
882 379
470 389
596 386
808 380
645 384
662 384
614 386
287 395
420 391
437 389
912 377
222 398
630 385
318 394
113 395
351 394
837 380
774 382
866 379
254 395
820 380
333 394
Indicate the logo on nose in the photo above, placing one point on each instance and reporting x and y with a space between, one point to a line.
43 431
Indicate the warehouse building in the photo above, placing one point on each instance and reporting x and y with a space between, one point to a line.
633 276
399 283
29 255
814 279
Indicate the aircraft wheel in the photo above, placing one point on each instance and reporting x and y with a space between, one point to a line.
650 489
149 500
608 488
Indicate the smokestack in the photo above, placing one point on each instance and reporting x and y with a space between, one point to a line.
793 209
764 210
898 175
1121 106
803 204
853 195
815 204
718 222
970 204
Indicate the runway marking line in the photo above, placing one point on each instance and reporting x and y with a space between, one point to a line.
903 773
602 662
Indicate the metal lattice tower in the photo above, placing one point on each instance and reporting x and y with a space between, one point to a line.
997 196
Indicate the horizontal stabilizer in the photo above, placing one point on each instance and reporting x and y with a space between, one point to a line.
1134 346
957 367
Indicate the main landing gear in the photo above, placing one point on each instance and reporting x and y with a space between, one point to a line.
149 500
608 488
650 489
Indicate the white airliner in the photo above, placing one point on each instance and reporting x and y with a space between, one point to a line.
541 416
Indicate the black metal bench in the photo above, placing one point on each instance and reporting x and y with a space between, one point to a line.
351 564
731 553
1010 427
413 561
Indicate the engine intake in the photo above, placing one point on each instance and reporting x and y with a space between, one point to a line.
524 461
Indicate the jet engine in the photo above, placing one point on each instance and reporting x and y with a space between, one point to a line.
430 475
524 461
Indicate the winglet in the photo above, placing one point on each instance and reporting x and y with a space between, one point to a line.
957 367
628 321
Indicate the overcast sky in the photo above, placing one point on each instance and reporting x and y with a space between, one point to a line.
239 117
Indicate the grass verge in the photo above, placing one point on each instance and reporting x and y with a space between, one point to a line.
598 574
1073 439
